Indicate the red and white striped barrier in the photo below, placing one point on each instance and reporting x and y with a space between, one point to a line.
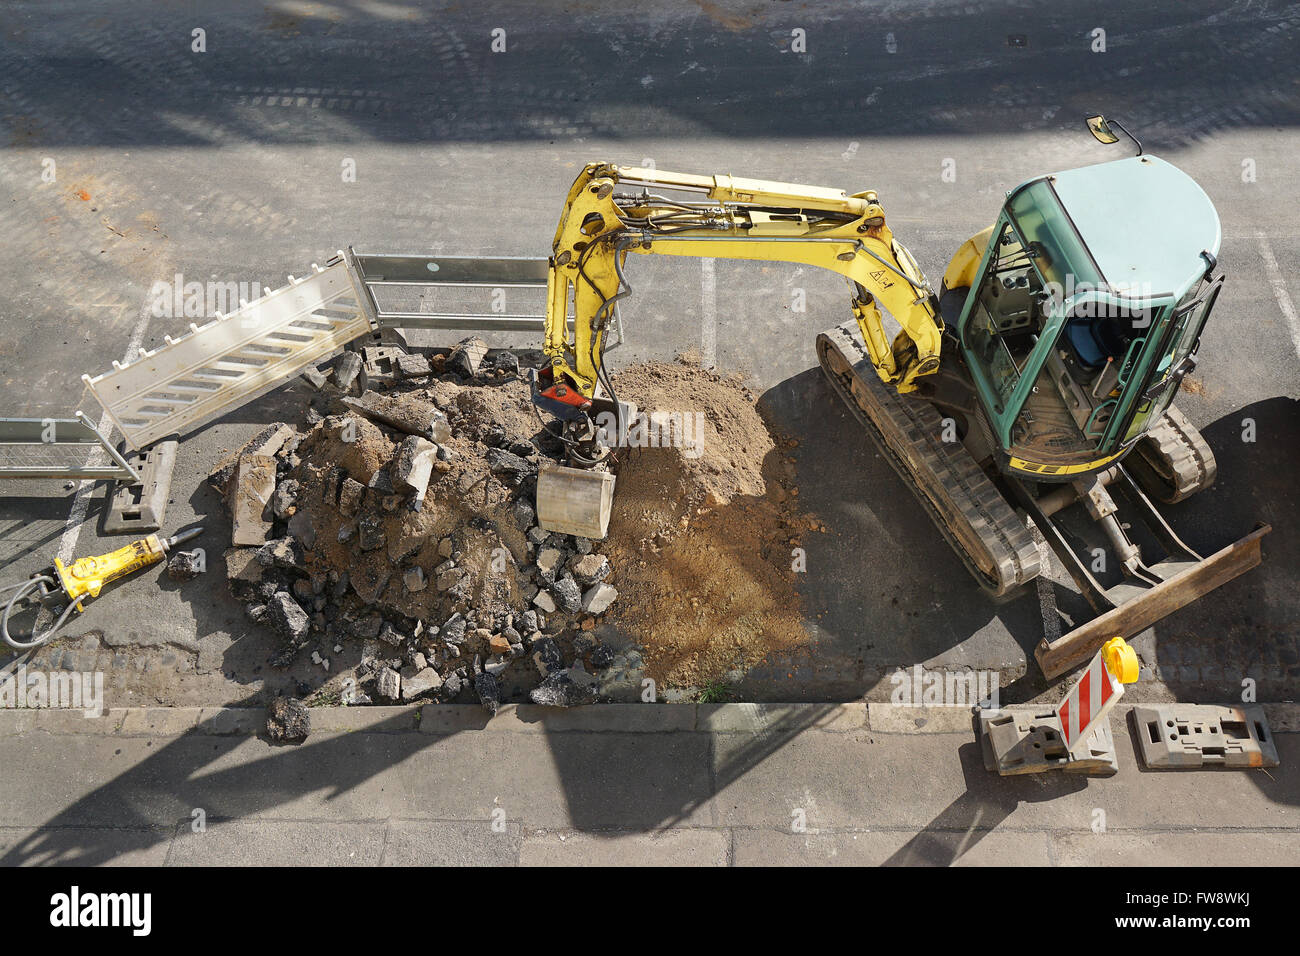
1089 701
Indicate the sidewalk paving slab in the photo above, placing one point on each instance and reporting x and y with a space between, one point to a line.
88 846
695 784
1177 848
761 846
679 847
452 843
278 843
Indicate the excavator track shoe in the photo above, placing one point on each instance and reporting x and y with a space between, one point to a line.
979 524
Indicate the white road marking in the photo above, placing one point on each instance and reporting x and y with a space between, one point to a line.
1280 293
1046 593
708 314
81 497
81 500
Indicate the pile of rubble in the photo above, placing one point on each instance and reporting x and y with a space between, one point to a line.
403 519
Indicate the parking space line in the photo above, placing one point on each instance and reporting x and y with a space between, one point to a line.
708 314
1046 593
1280 293
81 499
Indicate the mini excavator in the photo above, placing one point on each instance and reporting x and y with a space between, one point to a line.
1039 379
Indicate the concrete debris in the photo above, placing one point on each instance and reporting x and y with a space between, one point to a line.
378 365
422 682
288 719
598 599
502 462
568 595
467 356
590 569
489 691
282 502
313 377
267 442
302 529
288 618
548 560
250 495
388 684
412 366
407 524
346 370
414 465
185 565
546 656
454 630
282 553
507 363
407 414
351 494
571 687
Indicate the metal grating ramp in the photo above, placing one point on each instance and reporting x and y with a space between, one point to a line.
59 448
233 359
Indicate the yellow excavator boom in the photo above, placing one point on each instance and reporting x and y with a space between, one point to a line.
733 218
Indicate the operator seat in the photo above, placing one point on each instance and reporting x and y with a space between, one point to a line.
1094 339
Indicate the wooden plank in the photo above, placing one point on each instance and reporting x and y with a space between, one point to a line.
1131 617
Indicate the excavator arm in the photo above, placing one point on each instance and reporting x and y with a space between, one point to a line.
735 219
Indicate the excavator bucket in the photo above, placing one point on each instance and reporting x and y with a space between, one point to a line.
574 501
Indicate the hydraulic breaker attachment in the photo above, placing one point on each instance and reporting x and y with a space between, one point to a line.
71 585
1147 592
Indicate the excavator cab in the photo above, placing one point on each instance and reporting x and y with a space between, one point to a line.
1087 312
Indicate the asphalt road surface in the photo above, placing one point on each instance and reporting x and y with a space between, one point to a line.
130 157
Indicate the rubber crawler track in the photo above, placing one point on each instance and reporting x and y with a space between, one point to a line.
979 524
1172 461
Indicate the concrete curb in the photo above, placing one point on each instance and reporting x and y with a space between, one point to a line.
441 719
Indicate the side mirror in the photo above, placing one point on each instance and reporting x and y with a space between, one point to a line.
1101 130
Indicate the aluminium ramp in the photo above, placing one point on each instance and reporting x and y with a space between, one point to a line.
233 359
59 448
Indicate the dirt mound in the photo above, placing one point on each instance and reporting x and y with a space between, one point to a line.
703 536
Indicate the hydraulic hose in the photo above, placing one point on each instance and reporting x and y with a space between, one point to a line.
21 593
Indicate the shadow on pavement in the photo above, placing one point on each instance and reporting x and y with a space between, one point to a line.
883 588
987 801
608 781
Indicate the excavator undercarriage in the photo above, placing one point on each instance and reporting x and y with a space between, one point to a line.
971 505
